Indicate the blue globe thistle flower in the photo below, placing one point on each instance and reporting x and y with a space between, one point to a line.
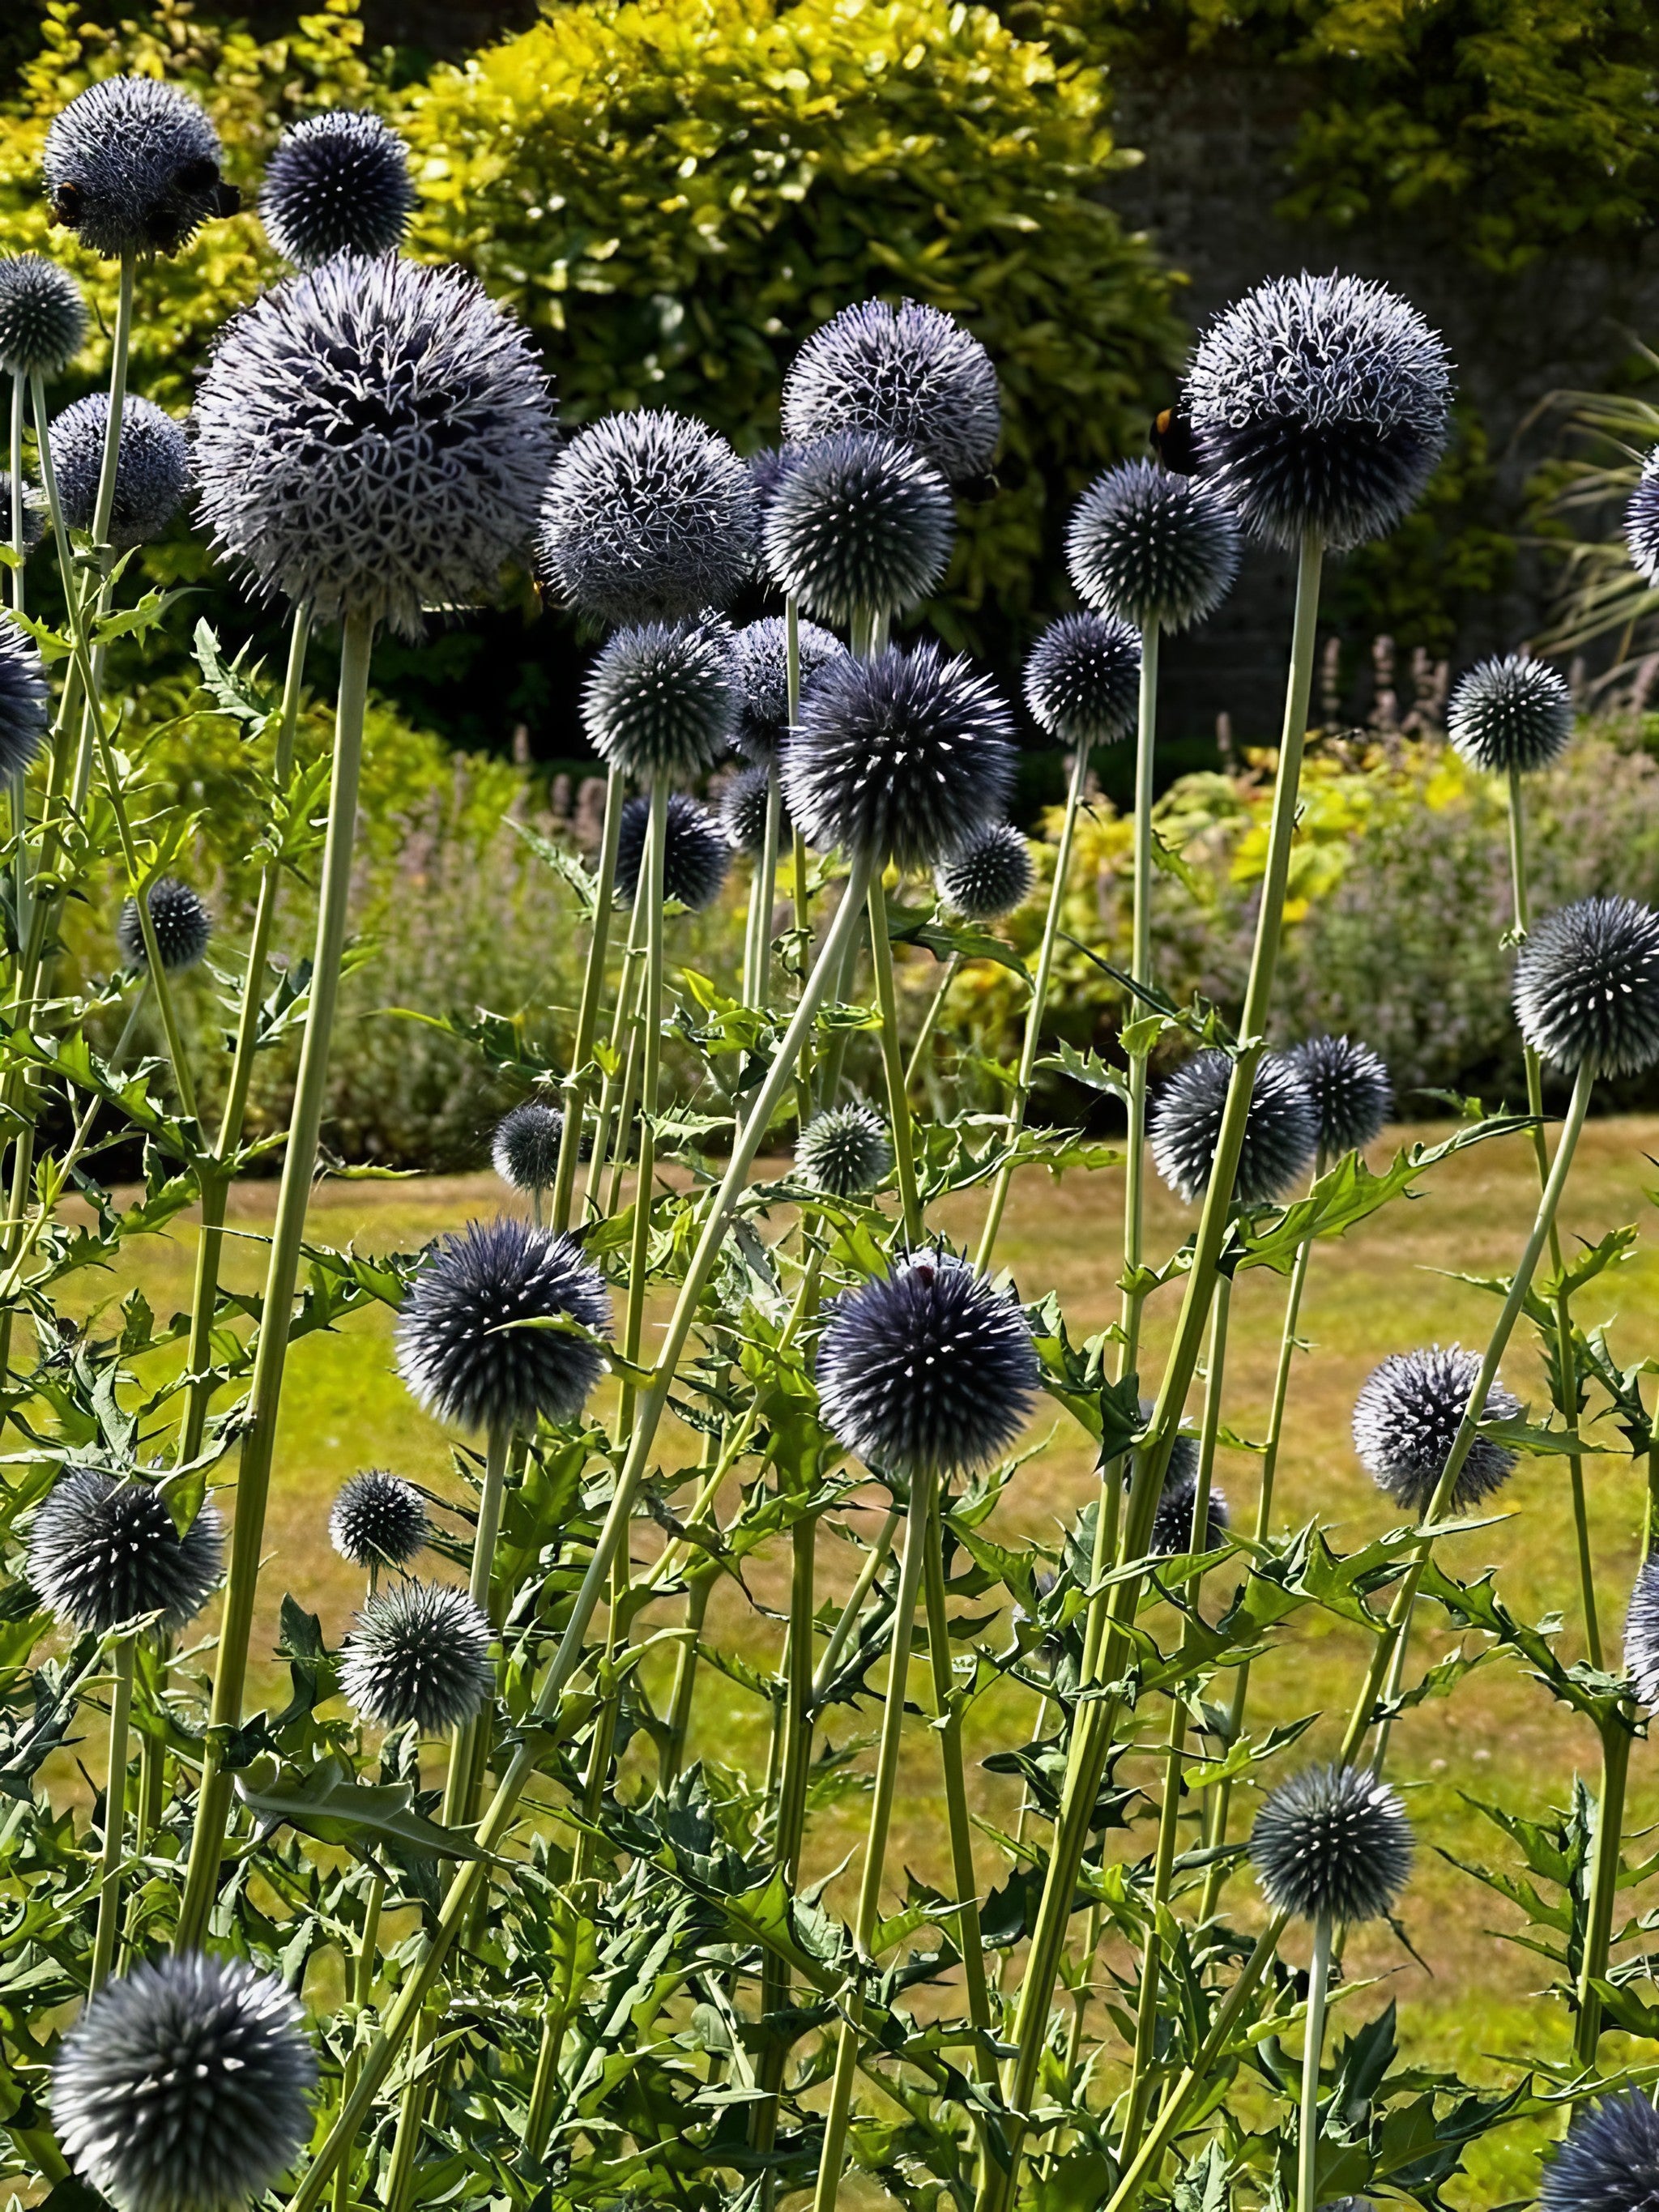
900 757
1642 1632
763 650
1332 1840
742 810
845 1150
988 875
861 526
662 700
43 318
24 699
1642 521
1349 1090
152 466
696 855
185 2086
647 517
1172 1525
372 438
338 183
927 1368
1510 712
767 471
1319 404
1083 680
131 166
420 1652
458 1354
1279 1134
1151 547
525 1150
910 372
1586 986
1407 1416
180 920
377 1520
103 1551
1609 2161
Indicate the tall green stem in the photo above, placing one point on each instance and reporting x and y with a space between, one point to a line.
918 1060
948 1720
892 1061
622 1032
362 1989
650 1033
578 1078
1313 2044
120 347
115 1818
1140 968
1616 1737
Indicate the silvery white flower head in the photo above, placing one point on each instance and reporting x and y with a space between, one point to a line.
152 466
845 1150
696 855
43 318
525 1149
647 517
1349 1090
181 922
1642 1632
185 2086
338 183
662 699
1407 1418
371 439
1332 1840
103 1551
1083 680
900 757
420 1652
742 809
1587 986
861 526
988 875
763 650
1609 2161
910 372
1279 1131
1149 547
1642 521
1510 712
1319 404
131 166
377 1520
24 698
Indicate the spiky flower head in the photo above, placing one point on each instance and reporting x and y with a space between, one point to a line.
1332 1841
377 1521
131 166
696 855
1151 547
647 517
1510 712
457 1349
900 757
338 183
1319 404
24 699
764 679
1609 2160
1642 1633
1586 986
989 873
43 318
525 1149
910 372
845 1150
372 437
1083 679
861 526
1407 1416
1279 1131
742 809
179 918
1172 1525
1349 1090
767 471
1642 521
152 466
662 699
35 513
927 1368
104 1551
185 2086
420 1652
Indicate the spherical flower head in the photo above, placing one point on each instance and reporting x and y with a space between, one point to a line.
525 1150
1151 547
1319 404
647 517
104 1551
1609 2160
1642 521
1332 1841
1172 1525
337 184
927 1368
420 1652
131 166
762 649
742 809
24 699
1280 1132
457 1350
861 526
900 757
1586 986
1642 1633
767 471
845 1150
662 699
377 1520
185 2086
180 920
1349 1088
988 875
43 318
696 855
1407 1415
152 467
910 372
1083 679
1510 712
372 437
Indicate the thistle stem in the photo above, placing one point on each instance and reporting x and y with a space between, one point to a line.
577 1079
1140 968
650 1034
930 1020
899 1104
115 1818
120 347
621 1042
1313 2044
948 1720
1616 1735
874 1560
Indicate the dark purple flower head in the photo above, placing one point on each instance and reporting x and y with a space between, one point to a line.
845 1150
1511 712
1642 1632
1149 547
525 1149
1587 986
152 467
43 318
910 372
988 875
377 1521
104 1551
420 1652
338 183
1279 1134
131 166
24 699
181 922
1332 1841
662 700
1609 2161
1083 680
764 679
861 526
1407 1416
696 855
1349 1090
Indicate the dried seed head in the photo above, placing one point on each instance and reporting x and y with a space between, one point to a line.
1332 1840
1279 1134
764 679
131 166
1083 679
104 1551
179 918
43 318
1511 712
152 467
420 1652
338 183
845 1150
861 526
696 855
1587 986
662 700
1407 1416
1348 1088
24 699
910 372
988 875
1151 547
